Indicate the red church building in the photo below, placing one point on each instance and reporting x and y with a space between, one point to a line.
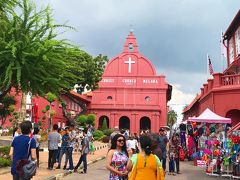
222 93
131 95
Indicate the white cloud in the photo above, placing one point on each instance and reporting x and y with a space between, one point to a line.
179 101
179 97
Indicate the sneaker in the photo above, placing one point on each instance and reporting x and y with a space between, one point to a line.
64 167
70 170
58 167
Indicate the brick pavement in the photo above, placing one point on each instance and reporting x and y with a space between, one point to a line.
44 173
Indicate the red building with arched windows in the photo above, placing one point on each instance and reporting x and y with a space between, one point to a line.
131 95
222 93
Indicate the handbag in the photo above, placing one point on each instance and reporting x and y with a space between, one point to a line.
26 168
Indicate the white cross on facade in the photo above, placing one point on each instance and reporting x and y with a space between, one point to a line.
129 62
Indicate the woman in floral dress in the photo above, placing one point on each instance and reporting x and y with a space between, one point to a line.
117 158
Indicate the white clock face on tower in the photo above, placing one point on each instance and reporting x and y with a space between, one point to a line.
129 62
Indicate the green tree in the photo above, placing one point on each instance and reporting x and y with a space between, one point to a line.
90 119
33 57
171 118
92 70
82 120
6 108
104 124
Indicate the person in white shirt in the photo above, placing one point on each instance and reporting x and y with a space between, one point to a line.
132 145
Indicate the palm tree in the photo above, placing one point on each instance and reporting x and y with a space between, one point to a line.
171 118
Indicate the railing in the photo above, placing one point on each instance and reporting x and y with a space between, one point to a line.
228 80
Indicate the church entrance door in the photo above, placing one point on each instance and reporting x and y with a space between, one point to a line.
101 119
145 123
124 123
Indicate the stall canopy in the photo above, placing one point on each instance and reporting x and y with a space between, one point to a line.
210 117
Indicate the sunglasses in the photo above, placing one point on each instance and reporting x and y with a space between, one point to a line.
120 140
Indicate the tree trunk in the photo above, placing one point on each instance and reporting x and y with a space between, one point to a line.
22 114
49 118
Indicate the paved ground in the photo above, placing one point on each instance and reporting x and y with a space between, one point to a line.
98 171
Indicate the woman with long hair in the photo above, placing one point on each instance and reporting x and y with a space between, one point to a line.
117 158
145 165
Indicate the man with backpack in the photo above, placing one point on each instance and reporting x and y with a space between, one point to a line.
22 150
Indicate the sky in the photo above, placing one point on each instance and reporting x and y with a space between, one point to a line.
175 35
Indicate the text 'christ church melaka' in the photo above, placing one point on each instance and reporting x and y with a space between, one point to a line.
131 95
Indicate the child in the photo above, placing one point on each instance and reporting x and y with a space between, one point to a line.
171 161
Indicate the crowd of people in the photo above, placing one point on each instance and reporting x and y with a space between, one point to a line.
130 156
66 142
27 141
142 157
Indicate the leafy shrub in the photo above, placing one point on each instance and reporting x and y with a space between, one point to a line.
97 135
5 150
82 120
47 107
91 118
51 97
105 139
108 132
4 162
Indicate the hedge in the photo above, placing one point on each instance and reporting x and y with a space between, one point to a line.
5 150
4 162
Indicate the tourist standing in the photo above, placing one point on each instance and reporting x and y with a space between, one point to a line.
163 141
154 145
85 151
37 138
171 156
145 165
132 145
59 145
22 147
53 139
175 144
116 131
117 158
64 149
72 135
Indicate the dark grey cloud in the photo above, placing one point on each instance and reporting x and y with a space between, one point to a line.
175 35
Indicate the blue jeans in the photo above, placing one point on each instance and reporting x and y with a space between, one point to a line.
68 152
171 165
83 159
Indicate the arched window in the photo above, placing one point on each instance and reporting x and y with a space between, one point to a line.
147 98
130 47
109 98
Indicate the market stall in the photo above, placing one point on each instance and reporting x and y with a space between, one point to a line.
220 151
